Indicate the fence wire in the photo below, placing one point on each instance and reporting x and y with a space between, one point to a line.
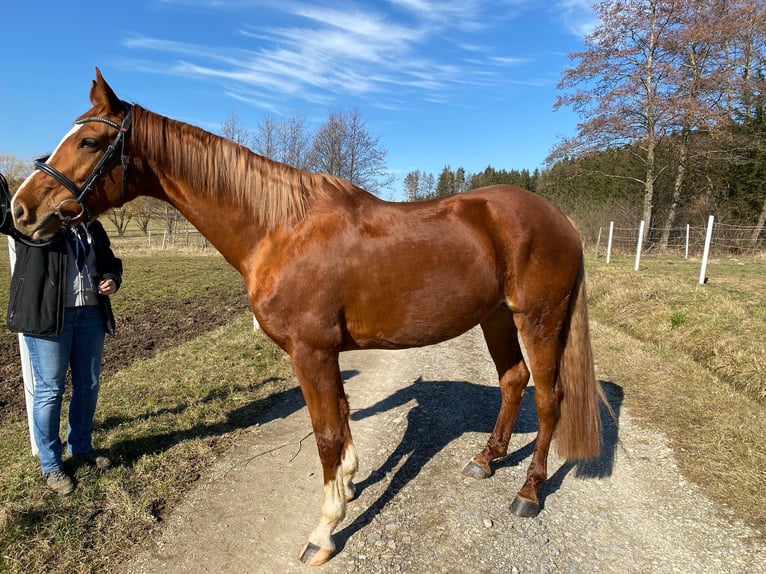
186 239
725 240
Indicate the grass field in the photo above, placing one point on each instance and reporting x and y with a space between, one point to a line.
164 420
721 325
689 359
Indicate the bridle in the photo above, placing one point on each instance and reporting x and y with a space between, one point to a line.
81 193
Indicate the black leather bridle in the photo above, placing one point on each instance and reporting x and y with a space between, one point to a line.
81 193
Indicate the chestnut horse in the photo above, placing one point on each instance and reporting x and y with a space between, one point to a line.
329 267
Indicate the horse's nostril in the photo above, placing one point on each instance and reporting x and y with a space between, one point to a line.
18 212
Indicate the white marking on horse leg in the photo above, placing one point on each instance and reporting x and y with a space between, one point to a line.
350 465
333 511
525 355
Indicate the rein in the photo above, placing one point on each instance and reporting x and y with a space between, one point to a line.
81 193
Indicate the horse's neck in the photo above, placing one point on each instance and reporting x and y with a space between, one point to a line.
231 224
230 229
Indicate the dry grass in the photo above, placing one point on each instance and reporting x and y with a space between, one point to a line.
690 360
721 325
164 420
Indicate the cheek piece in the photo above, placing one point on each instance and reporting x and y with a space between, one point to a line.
81 193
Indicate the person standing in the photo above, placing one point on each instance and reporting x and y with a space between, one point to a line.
59 301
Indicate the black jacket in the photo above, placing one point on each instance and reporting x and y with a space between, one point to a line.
36 303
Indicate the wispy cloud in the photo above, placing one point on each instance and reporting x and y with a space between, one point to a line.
420 48
458 14
578 16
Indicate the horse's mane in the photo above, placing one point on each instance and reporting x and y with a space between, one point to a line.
276 192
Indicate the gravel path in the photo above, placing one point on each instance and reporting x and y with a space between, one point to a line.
417 417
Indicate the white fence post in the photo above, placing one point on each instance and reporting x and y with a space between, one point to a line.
598 241
26 365
640 243
686 250
609 242
706 252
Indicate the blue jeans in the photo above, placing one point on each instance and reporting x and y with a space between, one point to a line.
80 347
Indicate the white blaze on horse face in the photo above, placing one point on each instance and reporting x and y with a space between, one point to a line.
70 133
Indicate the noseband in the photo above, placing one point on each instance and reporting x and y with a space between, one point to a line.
81 193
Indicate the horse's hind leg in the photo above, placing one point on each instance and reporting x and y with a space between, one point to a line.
541 348
503 344
319 376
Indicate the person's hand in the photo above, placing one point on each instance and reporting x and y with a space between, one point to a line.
107 287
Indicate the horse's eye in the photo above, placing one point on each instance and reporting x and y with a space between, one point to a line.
88 143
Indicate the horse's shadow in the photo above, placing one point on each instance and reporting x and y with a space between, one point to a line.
258 412
444 411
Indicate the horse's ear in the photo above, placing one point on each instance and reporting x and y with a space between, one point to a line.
101 95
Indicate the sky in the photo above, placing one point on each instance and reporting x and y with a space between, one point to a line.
461 83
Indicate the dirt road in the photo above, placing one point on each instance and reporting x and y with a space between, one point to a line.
417 417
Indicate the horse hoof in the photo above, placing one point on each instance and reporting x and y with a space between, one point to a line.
349 492
314 555
474 470
524 508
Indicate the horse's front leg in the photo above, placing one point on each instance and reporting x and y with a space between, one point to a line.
319 376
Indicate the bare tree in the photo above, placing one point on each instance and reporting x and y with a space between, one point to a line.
675 75
419 185
14 170
343 147
620 85
412 186
428 185
697 95
232 128
328 150
293 141
265 137
143 211
170 216
120 217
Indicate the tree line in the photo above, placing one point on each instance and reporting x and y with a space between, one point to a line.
671 96
419 185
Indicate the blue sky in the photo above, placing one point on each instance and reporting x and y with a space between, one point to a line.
464 83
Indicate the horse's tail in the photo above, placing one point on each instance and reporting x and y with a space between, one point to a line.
578 435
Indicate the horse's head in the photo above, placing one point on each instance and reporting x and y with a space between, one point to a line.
84 176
